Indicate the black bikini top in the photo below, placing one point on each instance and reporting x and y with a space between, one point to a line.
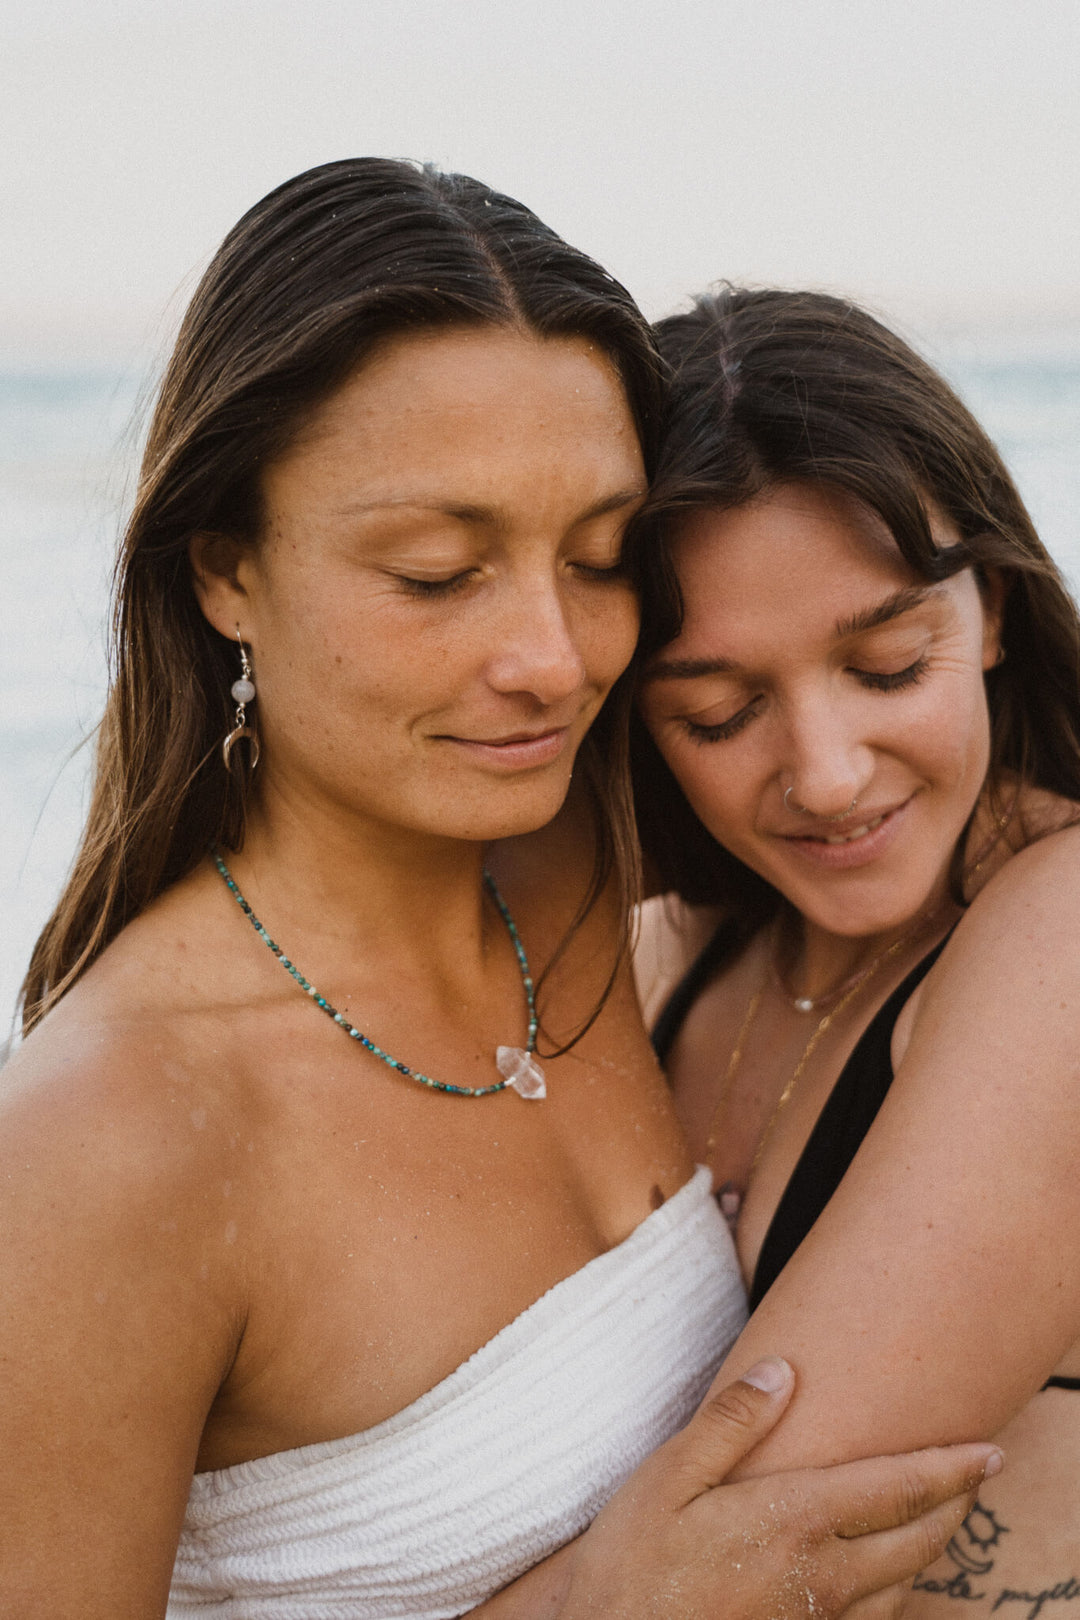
843 1122
848 1114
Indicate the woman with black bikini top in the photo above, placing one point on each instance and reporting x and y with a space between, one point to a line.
858 777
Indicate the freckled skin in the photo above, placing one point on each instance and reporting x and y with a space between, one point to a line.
812 726
772 696
438 575
313 1302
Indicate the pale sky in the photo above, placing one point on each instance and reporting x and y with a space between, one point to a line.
919 154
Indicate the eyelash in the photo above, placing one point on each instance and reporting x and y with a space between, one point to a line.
447 587
725 729
594 571
896 681
434 587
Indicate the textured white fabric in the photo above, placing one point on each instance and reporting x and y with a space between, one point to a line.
430 1513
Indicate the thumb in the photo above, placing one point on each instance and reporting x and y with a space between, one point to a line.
730 1422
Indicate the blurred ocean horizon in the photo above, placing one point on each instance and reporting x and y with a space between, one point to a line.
69 441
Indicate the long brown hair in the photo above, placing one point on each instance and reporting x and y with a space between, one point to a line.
772 387
300 290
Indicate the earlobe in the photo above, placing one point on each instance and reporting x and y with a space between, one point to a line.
215 560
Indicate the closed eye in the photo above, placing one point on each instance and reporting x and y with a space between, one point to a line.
723 729
434 587
894 681
601 571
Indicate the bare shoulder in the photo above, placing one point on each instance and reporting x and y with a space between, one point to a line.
115 1128
1021 925
121 1116
669 936
134 1062
1003 997
117 1099
124 1294
1050 857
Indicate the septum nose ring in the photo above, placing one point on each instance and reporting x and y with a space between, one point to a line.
803 811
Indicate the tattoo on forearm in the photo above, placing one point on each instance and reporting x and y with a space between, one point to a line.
972 1552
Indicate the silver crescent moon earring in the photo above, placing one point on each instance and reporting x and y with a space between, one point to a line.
243 693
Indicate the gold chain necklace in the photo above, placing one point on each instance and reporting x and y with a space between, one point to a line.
808 1004
851 990
729 1195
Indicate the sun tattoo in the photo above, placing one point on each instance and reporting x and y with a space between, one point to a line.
981 1529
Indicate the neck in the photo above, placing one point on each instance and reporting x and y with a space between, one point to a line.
817 964
364 896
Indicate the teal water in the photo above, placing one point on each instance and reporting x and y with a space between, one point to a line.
67 455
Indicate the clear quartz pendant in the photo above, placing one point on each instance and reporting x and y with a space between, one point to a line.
521 1070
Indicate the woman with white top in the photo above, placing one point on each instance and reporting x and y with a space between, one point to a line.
328 1278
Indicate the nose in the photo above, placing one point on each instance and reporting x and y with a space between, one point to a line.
830 762
535 648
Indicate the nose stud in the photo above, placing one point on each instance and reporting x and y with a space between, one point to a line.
791 804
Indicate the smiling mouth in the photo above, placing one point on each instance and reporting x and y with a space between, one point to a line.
518 739
855 834
517 751
852 834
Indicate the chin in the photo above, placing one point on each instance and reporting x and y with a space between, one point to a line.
519 808
854 916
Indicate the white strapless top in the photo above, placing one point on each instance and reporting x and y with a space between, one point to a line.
432 1511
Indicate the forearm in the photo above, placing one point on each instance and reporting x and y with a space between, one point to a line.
676 1543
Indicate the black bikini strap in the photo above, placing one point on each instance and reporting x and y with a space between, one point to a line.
1062 1383
721 947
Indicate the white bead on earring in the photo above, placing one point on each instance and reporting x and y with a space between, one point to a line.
243 693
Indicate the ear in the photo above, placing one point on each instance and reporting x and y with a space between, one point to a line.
215 574
993 589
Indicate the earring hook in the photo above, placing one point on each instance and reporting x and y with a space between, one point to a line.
243 692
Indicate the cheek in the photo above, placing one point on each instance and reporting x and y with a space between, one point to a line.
607 635
721 794
333 682
947 737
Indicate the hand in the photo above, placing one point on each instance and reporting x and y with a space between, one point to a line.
675 1543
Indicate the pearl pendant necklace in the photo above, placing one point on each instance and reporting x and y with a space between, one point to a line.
809 1004
516 1064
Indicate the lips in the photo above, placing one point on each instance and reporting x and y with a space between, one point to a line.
849 831
857 832
509 742
838 848
517 750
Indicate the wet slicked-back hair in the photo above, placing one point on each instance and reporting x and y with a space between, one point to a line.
318 272
772 387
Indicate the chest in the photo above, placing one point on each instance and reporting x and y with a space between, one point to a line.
778 1100
390 1230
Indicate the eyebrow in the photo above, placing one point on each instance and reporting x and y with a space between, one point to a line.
688 669
893 607
469 512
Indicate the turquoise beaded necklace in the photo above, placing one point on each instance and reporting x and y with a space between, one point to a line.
516 1064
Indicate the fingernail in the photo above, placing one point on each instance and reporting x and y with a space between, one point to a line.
994 1464
771 1375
